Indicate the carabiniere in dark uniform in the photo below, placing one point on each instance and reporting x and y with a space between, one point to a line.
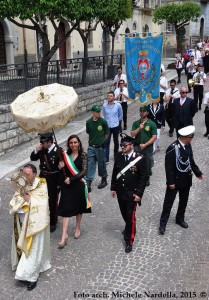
49 161
179 165
131 182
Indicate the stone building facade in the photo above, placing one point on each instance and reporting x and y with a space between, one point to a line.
16 42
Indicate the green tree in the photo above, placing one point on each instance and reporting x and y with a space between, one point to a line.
39 13
113 14
179 15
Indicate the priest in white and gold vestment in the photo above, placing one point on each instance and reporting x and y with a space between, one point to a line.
31 238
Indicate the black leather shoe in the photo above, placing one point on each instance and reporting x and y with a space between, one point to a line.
205 135
103 183
128 248
123 232
170 134
182 224
53 228
125 128
162 230
148 183
31 285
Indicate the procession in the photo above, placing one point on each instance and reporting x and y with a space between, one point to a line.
110 202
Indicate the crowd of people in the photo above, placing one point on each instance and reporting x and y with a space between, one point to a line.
68 174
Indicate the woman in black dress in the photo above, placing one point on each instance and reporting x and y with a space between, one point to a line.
74 200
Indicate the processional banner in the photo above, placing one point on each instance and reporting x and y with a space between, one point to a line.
143 63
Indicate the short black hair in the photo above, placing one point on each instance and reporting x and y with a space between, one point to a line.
173 81
119 67
111 92
32 167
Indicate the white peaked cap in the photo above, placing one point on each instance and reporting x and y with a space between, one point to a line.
186 130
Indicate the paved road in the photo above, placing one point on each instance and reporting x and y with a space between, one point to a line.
176 265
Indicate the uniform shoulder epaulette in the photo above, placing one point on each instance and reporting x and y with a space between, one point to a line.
171 147
137 154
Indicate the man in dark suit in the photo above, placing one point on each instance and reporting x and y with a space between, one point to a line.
184 110
47 153
128 183
179 165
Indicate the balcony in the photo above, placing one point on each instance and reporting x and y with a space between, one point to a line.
146 7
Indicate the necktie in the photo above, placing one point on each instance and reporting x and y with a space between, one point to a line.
186 147
119 76
126 157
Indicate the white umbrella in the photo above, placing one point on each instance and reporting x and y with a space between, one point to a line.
44 108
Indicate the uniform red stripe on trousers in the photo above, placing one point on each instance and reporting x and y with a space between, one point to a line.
133 221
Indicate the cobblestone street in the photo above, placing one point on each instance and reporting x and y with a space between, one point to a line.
95 266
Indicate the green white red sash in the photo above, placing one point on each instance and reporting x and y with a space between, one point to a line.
71 166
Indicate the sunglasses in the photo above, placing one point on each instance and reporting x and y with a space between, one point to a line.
172 85
124 145
184 92
191 136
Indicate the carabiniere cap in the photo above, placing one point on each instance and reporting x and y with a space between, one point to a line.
45 136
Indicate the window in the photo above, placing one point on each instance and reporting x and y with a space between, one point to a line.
134 26
170 29
146 3
90 38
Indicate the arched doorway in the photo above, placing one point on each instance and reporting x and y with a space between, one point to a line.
62 48
202 21
3 60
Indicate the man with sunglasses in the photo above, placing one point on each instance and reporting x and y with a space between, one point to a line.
128 183
47 153
179 165
184 110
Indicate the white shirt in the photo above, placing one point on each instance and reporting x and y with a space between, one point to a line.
206 98
179 63
51 148
191 69
182 100
183 145
129 154
125 96
119 77
175 95
202 76
196 54
164 82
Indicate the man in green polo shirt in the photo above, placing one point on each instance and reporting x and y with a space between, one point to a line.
98 131
145 132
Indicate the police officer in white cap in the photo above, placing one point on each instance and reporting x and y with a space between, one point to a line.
179 165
